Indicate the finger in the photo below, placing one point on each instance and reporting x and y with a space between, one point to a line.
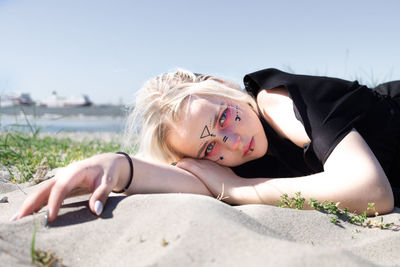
37 199
78 191
57 195
99 197
63 186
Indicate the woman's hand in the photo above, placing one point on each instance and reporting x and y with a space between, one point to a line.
221 181
99 174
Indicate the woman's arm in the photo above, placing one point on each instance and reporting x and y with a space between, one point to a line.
103 173
352 176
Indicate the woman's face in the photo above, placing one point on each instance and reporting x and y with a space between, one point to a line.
227 132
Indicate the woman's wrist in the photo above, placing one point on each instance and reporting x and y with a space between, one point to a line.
126 173
243 192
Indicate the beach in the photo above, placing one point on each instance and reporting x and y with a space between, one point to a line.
188 230
192 230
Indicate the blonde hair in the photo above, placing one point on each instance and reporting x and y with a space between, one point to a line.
158 104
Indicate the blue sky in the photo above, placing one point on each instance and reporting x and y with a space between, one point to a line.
107 49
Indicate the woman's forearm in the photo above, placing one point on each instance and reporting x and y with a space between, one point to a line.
352 176
158 178
320 186
269 190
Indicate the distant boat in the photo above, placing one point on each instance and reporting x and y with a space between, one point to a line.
56 101
16 99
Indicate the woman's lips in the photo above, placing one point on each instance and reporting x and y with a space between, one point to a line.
249 148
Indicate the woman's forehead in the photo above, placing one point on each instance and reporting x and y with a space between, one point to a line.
197 105
198 111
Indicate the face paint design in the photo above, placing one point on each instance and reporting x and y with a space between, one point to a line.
225 139
237 114
206 133
221 158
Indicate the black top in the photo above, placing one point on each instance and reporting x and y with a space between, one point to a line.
328 108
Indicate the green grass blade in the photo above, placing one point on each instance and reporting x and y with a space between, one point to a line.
33 243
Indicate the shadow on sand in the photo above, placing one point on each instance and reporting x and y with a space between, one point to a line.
82 214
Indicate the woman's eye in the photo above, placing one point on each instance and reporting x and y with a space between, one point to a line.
223 118
209 148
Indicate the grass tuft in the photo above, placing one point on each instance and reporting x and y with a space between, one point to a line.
21 152
338 215
42 258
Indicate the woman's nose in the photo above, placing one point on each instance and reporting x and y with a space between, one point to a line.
231 140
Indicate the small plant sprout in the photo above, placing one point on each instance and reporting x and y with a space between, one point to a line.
42 258
295 202
33 242
164 242
338 214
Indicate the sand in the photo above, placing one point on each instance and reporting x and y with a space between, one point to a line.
190 230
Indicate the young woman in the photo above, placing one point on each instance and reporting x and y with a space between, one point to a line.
327 138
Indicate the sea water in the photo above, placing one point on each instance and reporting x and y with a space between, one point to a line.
76 119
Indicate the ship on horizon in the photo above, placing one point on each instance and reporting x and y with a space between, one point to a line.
16 99
53 101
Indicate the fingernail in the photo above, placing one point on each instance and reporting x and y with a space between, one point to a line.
14 218
46 219
98 207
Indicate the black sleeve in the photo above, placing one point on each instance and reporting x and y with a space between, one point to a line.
327 107
391 89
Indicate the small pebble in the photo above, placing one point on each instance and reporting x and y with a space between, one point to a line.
4 200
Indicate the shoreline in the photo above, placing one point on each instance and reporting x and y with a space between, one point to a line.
81 136
85 136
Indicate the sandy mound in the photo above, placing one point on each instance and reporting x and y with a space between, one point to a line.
191 230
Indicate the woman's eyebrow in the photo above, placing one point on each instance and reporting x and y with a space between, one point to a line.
221 107
201 149
214 124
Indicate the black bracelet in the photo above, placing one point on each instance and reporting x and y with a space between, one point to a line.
131 177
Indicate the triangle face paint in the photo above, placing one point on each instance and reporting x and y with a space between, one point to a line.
206 133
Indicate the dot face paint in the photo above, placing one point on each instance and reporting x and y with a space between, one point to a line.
237 114
221 158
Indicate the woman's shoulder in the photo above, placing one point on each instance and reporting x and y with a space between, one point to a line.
271 78
263 78
276 107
